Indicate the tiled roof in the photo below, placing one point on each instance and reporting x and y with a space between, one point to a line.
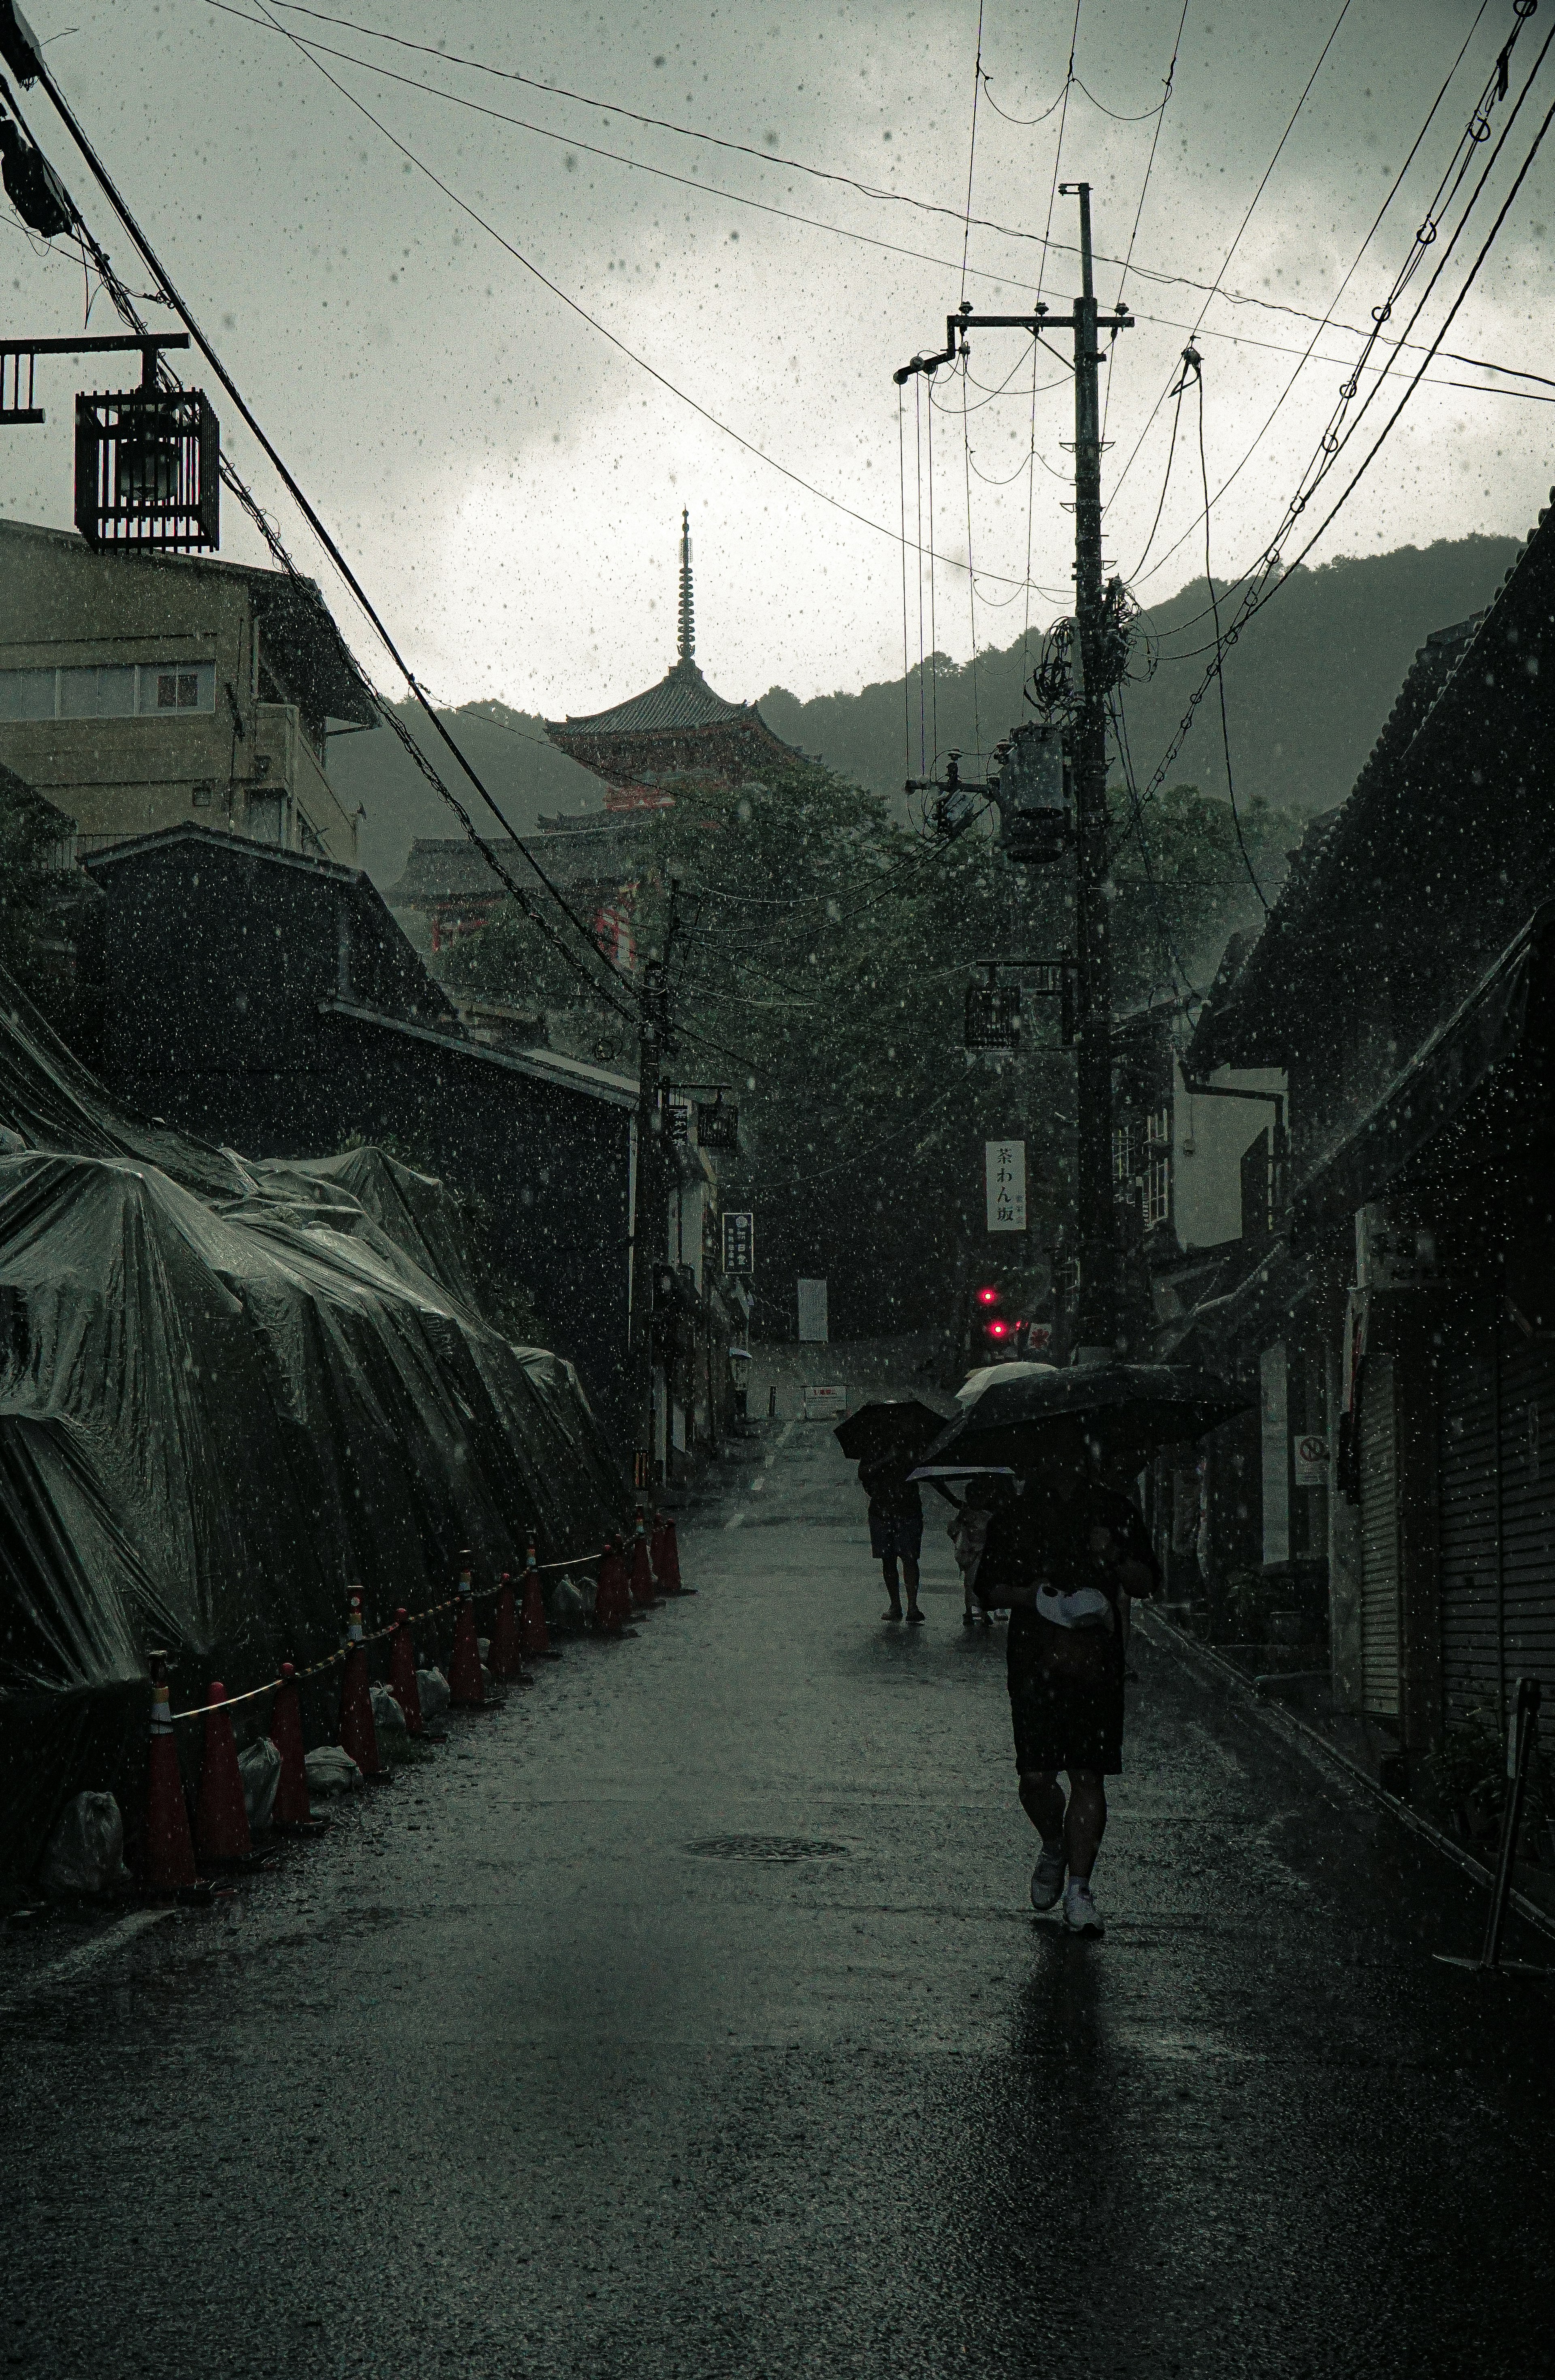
681 698
452 868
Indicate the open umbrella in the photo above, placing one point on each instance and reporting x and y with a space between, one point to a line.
888 1425
1130 1409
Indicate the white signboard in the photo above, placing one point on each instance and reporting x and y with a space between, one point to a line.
1310 1455
825 1404
1005 1173
812 1312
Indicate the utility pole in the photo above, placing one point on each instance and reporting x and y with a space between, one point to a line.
1025 808
1096 1320
648 1206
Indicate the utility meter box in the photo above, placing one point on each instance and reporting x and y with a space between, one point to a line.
1033 794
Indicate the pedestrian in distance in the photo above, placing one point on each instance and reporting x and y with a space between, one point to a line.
1067 1555
896 1527
968 1535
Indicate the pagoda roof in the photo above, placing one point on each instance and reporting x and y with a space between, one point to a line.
682 698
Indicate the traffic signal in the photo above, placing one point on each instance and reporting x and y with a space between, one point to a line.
988 1299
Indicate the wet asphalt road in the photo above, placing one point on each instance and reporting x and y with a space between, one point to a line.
686 2017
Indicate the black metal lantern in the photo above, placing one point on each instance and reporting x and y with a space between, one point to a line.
993 1015
148 469
717 1126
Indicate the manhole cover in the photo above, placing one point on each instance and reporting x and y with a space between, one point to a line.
778 1851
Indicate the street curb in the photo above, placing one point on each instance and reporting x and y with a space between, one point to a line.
1316 1747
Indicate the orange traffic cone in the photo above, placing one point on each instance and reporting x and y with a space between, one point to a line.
612 1595
666 1557
534 1636
357 1734
402 1683
642 1569
221 1826
502 1659
466 1683
292 1805
169 1852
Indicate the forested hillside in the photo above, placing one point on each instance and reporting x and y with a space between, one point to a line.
1307 688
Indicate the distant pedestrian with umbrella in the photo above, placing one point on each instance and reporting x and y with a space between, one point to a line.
1067 1556
886 1439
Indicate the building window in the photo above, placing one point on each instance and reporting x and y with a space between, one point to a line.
122 690
1142 1163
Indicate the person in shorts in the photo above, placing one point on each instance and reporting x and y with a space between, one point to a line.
896 1527
1067 1555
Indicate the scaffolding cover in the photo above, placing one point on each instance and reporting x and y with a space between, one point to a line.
229 1390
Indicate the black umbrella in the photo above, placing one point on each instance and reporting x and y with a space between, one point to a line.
1129 1409
888 1425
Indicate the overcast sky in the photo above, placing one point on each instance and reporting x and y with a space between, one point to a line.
510 483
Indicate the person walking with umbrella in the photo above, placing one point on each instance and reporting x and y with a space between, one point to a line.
1066 1555
885 1438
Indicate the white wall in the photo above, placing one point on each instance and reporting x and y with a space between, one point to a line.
1209 1138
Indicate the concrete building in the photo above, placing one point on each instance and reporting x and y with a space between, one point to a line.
140 691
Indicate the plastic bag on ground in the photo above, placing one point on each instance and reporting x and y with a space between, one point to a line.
331 1770
387 1716
85 1852
259 1767
433 1689
568 1608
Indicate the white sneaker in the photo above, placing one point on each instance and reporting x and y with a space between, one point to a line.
1081 1914
1047 1879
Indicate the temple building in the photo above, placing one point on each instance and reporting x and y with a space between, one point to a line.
679 728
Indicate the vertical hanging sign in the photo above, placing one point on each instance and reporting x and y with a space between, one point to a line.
812 1313
1004 1174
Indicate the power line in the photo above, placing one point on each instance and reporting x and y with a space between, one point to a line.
1058 148
1198 370
1150 165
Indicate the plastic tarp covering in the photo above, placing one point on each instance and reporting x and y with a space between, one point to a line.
228 1391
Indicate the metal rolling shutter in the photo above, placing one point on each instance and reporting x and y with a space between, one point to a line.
1469 1488
1379 1542
1528 1441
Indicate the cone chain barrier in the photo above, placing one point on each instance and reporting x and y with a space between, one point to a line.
402 1675
666 1558
292 1805
466 1683
169 1853
534 1637
221 1827
357 1734
612 1595
503 1660
642 1569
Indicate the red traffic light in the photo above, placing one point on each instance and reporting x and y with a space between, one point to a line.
997 1328
990 1296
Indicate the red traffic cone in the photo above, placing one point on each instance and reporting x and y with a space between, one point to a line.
666 1557
357 1734
642 1569
504 1658
221 1824
292 1805
466 1683
169 1852
612 1595
534 1637
402 1683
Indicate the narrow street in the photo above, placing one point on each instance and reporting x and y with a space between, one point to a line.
687 2017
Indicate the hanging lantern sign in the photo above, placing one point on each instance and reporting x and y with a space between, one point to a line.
718 1126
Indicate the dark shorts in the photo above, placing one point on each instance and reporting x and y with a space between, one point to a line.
895 1534
1064 1722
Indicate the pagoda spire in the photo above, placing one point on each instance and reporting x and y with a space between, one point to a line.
687 638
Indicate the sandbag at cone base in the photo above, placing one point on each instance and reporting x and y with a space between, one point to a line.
466 1683
642 1569
168 1857
503 1659
292 1805
402 1675
534 1636
357 1734
666 1557
221 1827
613 1598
